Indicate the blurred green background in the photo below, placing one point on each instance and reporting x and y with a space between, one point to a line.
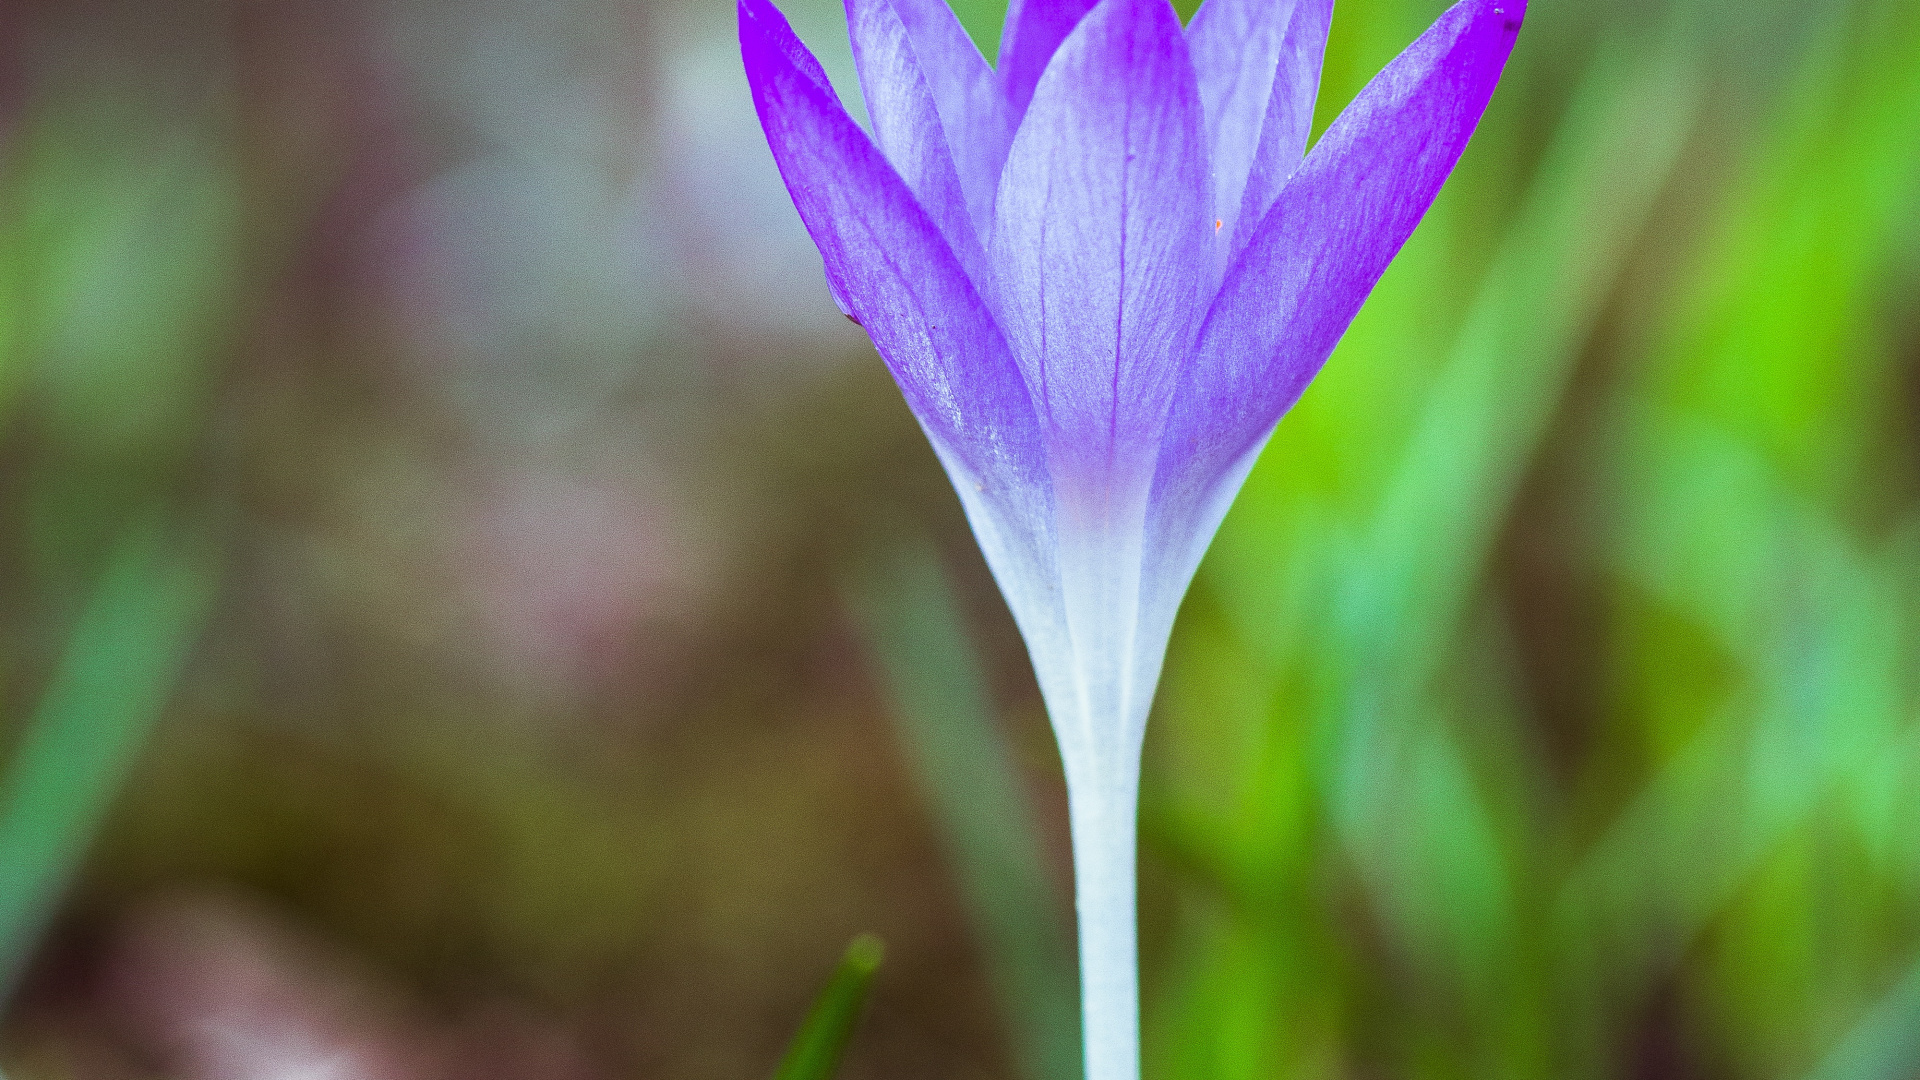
469 607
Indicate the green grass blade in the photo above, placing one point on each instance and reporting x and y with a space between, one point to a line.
1516 350
915 630
815 1051
1885 1045
1411 590
127 649
1727 514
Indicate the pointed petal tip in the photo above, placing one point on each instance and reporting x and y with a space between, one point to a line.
1503 20
768 45
1499 20
753 11
760 21
1029 36
1473 39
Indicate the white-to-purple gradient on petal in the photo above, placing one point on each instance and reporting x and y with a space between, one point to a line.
1101 274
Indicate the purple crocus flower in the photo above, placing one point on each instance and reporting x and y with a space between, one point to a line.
1100 274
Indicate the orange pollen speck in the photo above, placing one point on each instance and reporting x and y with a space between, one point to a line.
1217 223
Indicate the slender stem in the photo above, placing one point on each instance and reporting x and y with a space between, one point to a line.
1103 815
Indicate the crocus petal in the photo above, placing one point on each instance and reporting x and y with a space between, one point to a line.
1312 261
795 53
1102 238
1032 32
907 123
1259 68
890 263
972 108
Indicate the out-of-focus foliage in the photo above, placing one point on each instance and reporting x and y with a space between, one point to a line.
424 430
118 256
1545 709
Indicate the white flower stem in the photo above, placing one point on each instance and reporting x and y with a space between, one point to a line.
1102 809
1097 666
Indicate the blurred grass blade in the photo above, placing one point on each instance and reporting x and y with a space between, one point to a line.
815 1051
1885 1045
126 652
1516 351
1409 593
1738 473
914 628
